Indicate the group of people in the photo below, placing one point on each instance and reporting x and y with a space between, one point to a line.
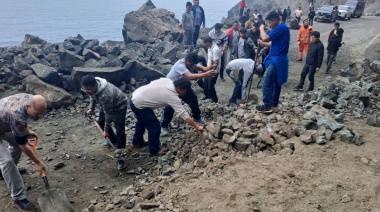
240 47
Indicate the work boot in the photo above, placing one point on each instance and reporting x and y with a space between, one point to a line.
121 164
24 205
164 131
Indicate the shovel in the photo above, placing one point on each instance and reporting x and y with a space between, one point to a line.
53 200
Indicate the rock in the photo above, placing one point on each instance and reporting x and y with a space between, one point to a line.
170 52
375 66
264 137
242 145
67 46
227 131
47 74
147 205
321 140
293 24
137 70
327 103
68 60
319 110
89 44
346 136
147 195
75 40
146 26
200 162
307 137
59 165
310 116
373 121
56 97
339 117
31 39
329 123
114 75
249 134
364 97
20 64
147 6
88 54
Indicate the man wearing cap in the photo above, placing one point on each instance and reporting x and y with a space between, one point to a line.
303 38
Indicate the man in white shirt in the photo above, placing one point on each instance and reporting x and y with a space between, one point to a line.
157 94
298 13
213 58
240 71
184 67
219 37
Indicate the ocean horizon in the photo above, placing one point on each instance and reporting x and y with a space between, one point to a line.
54 21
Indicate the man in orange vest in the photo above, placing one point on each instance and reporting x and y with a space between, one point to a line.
303 37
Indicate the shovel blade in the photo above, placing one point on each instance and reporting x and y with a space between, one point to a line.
54 200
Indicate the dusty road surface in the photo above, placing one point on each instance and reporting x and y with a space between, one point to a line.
334 177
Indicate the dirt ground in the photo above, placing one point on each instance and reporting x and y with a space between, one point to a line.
333 177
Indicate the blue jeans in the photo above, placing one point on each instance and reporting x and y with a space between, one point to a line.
146 119
191 99
271 88
236 94
118 118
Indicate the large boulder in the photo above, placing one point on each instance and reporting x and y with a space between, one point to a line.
20 64
147 6
137 70
114 75
32 40
146 26
47 74
68 60
55 97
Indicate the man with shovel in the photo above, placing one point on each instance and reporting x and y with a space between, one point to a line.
113 104
14 112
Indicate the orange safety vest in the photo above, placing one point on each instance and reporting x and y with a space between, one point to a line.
304 34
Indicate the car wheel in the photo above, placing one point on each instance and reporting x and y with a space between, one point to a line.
349 18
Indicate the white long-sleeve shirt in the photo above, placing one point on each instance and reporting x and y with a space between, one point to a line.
157 94
247 66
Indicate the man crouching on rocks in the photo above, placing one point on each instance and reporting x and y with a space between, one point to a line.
14 111
113 104
157 94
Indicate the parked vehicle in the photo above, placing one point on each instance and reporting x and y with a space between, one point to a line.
357 7
325 13
377 13
344 12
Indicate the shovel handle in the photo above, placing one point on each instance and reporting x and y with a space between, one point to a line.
101 130
45 179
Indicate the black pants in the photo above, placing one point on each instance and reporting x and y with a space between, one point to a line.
191 99
196 34
118 118
298 19
311 20
221 68
209 88
308 69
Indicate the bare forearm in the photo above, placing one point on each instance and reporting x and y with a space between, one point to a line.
264 36
191 122
30 153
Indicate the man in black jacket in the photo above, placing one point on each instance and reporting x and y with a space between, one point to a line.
313 63
333 47
244 47
199 19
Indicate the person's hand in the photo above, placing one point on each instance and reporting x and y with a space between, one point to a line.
200 128
213 66
255 51
210 73
317 69
244 101
90 112
32 134
106 134
40 167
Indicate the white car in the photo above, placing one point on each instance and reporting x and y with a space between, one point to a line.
344 12
377 13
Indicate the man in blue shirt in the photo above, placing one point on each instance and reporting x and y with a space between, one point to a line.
277 62
199 18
